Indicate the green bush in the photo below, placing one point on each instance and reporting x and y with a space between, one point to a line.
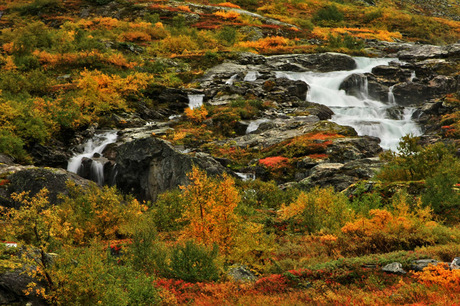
190 262
228 36
345 41
329 13
440 193
413 162
38 7
12 145
166 212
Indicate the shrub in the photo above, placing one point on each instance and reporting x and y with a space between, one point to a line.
210 210
400 229
190 262
167 211
329 13
317 210
440 193
413 162
228 36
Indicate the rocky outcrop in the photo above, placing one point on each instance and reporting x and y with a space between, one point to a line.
340 175
18 178
12 286
322 62
149 166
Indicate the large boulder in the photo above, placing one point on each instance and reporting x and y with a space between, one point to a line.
149 166
32 179
340 175
323 62
12 286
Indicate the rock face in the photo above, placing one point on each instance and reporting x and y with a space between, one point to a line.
394 267
149 166
12 286
33 179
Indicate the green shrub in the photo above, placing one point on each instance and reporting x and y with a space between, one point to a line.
90 276
440 193
190 262
345 41
12 145
166 211
413 162
228 36
329 13
38 7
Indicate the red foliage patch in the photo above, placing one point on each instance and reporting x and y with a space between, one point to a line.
274 162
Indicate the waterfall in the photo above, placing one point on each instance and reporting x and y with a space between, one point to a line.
391 96
412 76
251 76
254 125
231 80
365 115
92 149
195 101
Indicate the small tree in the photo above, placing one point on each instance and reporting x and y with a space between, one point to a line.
210 210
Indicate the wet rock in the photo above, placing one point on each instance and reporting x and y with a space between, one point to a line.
394 267
149 166
410 93
51 156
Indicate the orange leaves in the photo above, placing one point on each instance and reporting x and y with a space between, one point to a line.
267 43
229 4
227 14
210 210
440 275
197 115
136 36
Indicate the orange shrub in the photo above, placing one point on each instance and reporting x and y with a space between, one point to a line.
197 115
266 44
440 275
136 36
227 15
229 4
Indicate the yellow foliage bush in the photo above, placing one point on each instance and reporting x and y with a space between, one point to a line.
197 115
267 43
320 209
227 14
401 229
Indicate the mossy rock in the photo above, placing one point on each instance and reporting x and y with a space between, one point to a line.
332 127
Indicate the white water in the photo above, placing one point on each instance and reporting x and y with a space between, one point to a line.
195 101
366 116
391 96
251 76
93 146
231 80
254 125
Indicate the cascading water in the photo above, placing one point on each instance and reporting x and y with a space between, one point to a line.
195 101
93 147
366 116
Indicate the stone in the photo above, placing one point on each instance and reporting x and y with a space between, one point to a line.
394 267
420 264
455 264
149 166
12 286
33 179
241 274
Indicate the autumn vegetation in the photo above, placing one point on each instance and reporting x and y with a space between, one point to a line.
62 73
